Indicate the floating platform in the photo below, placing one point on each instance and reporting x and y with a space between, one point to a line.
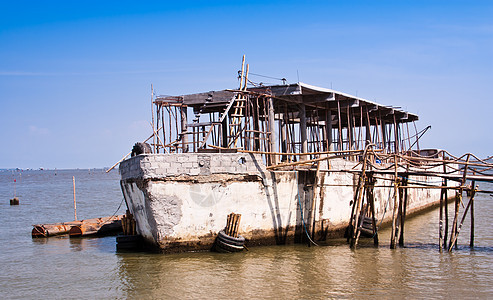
100 226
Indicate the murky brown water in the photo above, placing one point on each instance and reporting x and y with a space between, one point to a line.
62 268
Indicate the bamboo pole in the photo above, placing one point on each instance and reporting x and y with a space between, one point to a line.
403 211
440 224
358 197
314 197
458 197
152 115
445 196
339 122
452 242
371 201
242 72
123 158
458 200
471 241
75 205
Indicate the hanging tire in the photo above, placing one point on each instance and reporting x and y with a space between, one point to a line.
226 248
227 239
141 148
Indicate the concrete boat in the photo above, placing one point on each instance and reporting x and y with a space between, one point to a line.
293 159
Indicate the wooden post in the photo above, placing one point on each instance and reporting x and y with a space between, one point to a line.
368 138
152 116
402 210
75 205
458 197
440 224
471 200
443 228
396 136
224 133
328 129
242 72
358 201
184 136
371 200
383 129
473 190
272 129
314 197
349 130
304 141
458 200
284 139
395 208
339 122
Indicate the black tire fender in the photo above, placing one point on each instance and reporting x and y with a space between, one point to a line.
220 245
227 239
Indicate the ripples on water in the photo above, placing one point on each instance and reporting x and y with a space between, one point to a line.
63 268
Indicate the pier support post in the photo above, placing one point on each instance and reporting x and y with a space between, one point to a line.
456 235
184 136
445 195
471 241
272 135
395 207
402 209
458 197
328 129
371 201
304 141
440 224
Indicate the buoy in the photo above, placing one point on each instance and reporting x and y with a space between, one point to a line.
14 201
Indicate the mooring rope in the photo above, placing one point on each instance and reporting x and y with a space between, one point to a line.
116 211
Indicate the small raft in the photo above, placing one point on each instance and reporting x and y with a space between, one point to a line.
100 226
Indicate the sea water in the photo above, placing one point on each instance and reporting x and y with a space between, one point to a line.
91 268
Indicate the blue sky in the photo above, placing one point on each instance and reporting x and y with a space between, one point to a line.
75 77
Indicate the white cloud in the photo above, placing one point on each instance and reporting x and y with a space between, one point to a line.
38 131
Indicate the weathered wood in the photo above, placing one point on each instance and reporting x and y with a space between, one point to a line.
314 197
395 207
47 230
453 232
440 223
358 199
221 97
471 241
403 210
328 130
458 200
371 200
75 205
272 130
184 138
304 141
104 227
456 235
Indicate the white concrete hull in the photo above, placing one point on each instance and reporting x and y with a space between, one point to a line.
180 201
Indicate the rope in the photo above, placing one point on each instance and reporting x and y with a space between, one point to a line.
114 214
301 210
